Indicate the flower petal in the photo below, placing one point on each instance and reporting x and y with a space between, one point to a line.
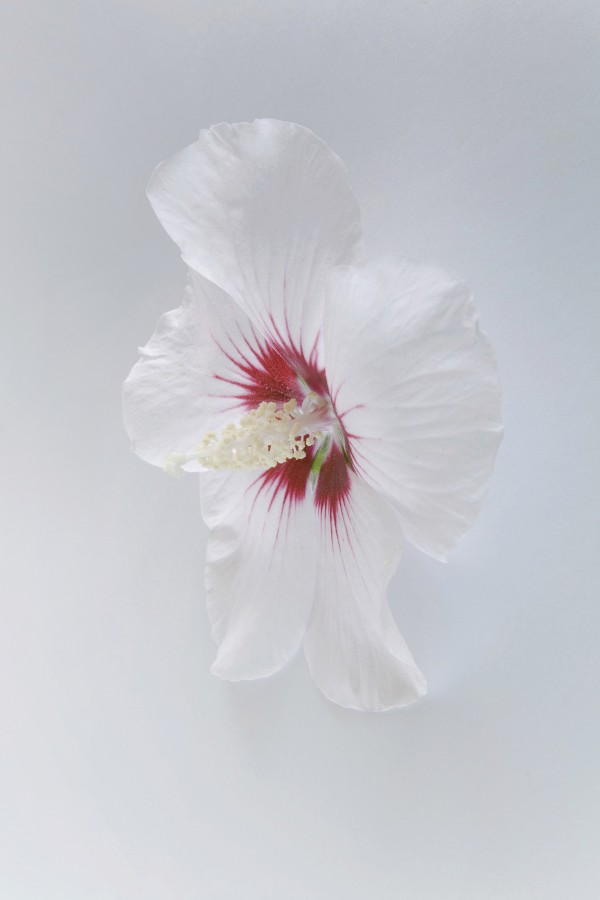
189 379
415 383
260 567
262 210
354 650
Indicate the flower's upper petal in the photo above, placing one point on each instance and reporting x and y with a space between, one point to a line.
260 570
188 380
262 210
416 385
354 650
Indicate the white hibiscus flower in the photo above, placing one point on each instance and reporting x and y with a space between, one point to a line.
332 408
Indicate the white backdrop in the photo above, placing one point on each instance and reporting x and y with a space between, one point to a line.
127 771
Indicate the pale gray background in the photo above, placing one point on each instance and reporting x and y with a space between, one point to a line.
127 771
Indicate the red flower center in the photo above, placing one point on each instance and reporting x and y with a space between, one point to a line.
276 372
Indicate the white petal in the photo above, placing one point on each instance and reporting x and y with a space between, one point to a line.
354 650
262 210
187 381
260 572
415 382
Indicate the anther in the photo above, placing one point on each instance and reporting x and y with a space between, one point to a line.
263 438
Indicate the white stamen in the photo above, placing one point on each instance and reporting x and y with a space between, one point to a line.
263 438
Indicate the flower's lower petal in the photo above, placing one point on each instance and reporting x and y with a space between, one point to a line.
354 650
192 374
260 571
262 210
416 385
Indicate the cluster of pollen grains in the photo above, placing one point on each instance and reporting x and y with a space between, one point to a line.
263 438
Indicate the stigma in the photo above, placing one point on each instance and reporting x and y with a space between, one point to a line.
262 439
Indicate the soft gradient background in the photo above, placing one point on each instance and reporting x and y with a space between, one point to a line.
127 771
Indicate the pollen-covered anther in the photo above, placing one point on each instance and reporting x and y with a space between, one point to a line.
263 438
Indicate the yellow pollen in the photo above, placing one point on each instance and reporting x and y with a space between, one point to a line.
263 438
